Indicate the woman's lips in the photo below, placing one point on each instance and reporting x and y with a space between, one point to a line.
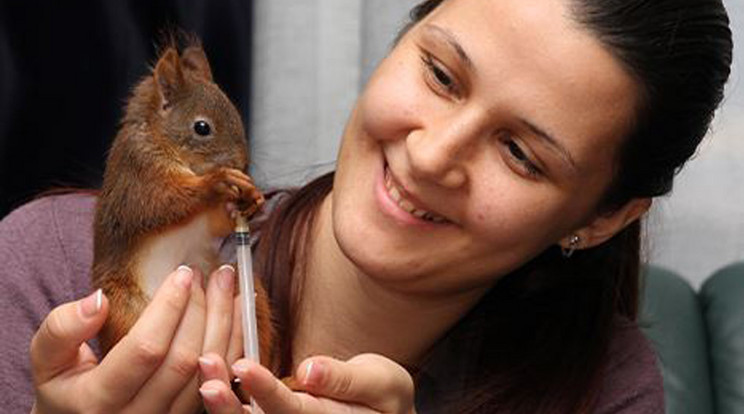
401 198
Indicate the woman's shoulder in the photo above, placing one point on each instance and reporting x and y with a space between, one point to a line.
45 252
50 238
632 381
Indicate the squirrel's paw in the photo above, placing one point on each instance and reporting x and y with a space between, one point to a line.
239 190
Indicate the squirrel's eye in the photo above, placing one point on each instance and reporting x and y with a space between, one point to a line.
202 128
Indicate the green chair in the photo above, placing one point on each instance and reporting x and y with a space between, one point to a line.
722 297
699 339
672 320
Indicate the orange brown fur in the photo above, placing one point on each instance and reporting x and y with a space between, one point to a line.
162 176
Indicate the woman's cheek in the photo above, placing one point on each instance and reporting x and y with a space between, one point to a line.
391 106
503 209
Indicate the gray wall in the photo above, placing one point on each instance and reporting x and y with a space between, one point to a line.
312 58
700 227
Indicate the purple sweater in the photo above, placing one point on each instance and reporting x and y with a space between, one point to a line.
46 250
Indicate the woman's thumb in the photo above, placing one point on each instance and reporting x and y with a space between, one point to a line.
56 344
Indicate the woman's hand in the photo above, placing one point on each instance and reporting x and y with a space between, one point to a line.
153 369
365 384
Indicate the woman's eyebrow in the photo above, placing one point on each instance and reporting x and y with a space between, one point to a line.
551 142
451 40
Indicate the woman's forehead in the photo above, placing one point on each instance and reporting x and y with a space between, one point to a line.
539 63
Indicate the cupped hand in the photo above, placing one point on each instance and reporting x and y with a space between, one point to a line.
365 384
153 369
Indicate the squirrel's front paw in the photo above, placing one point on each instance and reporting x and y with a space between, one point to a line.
238 189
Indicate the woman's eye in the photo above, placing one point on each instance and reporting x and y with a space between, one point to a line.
202 128
439 75
520 157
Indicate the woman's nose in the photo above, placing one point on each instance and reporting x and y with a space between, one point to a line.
440 152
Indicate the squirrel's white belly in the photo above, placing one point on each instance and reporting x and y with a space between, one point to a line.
194 244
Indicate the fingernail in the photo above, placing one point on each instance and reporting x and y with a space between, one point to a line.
184 274
91 305
206 363
209 394
240 367
313 373
225 276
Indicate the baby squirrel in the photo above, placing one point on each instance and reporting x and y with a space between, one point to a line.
173 183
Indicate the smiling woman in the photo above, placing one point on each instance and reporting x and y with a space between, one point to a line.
452 136
482 226
492 133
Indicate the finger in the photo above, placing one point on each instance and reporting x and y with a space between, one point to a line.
368 379
219 399
188 400
235 348
213 367
132 361
270 394
56 344
175 382
220 289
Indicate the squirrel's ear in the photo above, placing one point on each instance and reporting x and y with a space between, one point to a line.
195 60
168 76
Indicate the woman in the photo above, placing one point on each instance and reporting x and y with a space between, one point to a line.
481 230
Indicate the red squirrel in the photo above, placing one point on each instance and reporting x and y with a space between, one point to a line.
174 179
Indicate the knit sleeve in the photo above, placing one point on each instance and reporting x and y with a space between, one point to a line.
45 255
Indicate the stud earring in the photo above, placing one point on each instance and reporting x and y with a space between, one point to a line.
573 243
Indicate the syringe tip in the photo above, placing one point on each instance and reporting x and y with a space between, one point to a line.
241 224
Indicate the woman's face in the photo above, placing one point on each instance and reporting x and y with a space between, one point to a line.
487 135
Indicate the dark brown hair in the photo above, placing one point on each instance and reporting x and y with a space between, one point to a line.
543 331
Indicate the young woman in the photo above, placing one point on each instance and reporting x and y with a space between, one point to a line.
477 249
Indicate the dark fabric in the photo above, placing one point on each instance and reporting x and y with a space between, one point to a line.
632 382
66 69
46 251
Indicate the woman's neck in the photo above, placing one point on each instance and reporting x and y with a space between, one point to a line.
344 312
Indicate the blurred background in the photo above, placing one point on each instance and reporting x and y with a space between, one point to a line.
294 69
66 70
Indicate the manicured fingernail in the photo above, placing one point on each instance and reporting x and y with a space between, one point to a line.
91 305
313 373
209 394
240 367
206 363
184 274
225 275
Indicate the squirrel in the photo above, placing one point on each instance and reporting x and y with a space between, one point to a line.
173 184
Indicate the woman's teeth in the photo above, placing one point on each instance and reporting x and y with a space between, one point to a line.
407 205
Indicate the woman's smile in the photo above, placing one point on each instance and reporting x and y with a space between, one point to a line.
396 201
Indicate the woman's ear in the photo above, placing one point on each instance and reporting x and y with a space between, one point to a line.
604 226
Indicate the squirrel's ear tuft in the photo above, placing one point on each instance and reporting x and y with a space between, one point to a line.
195 60
168 76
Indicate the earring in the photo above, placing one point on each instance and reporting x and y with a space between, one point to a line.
573 243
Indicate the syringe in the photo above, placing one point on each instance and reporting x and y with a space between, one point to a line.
248 292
